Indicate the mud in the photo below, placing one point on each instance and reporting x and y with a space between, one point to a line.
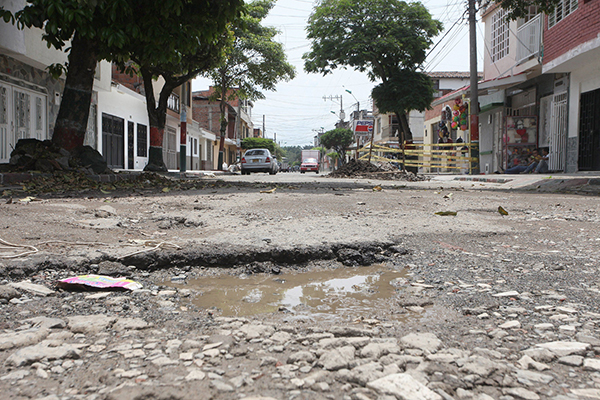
334 294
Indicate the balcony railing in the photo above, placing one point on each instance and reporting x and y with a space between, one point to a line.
529 39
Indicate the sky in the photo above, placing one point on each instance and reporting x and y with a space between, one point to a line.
297 110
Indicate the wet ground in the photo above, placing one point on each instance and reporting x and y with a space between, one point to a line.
329 294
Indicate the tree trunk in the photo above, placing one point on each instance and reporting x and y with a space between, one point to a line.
406 136
404 125
72 119
157 121
222 131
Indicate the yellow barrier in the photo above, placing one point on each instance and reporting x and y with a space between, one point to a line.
424 155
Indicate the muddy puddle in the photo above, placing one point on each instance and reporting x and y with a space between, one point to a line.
362 292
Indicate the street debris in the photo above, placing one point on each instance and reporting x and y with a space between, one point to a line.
269 191
502 211
157 245
98 282
12 246
367 170
445 213
28 199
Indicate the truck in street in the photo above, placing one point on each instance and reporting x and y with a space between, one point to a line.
310 161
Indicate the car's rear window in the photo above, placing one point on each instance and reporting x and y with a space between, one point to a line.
255 153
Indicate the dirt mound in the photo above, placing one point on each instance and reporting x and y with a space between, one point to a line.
365 169
44 156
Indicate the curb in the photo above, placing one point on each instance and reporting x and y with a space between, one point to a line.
13 178
487 180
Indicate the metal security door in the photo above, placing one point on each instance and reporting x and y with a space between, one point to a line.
589 131
169 148
6 135
39 116
22 111
113 140
557 139
130 144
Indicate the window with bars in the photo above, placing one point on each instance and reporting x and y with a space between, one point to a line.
173 102
142 140
499 36
530 13
38 114
562 10
3 105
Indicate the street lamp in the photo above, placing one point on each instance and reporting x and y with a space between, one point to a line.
357 102
341 116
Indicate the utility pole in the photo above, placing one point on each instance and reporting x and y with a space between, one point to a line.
358 116
341 99
474 104
238 133
263 132
183 139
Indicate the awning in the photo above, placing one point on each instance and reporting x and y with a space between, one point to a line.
503 83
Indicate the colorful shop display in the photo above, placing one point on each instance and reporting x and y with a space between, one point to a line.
460 115
519 139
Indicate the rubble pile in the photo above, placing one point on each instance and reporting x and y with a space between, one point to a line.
45 157
383 170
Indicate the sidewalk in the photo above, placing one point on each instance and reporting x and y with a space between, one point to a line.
13 178
581 182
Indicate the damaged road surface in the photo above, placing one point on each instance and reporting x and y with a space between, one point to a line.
320 289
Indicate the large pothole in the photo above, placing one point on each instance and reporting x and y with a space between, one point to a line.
343 293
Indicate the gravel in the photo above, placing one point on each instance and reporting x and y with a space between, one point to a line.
493 306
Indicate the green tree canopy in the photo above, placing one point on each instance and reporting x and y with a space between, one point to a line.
184 44
96 30
255 62
408 90
258 143
339 140
148 31
519 8
386 39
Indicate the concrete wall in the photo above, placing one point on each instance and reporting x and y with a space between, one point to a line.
130 106
27 45
505 66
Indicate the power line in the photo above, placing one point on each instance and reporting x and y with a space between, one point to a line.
446 34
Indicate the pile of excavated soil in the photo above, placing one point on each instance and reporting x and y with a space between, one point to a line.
33 155
365 169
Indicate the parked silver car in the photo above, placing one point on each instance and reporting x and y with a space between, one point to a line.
259 160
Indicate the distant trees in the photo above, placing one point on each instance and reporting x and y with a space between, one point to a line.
387 39
258 143
293 154
339 140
